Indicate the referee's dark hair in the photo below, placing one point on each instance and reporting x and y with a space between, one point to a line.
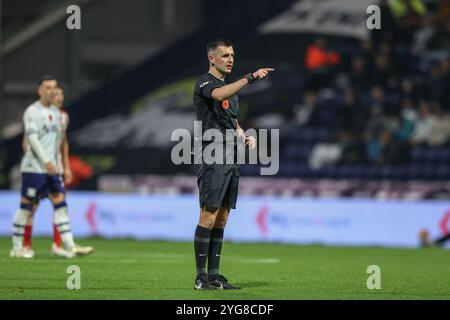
218 42
47 77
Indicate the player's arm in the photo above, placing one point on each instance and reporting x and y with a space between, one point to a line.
231 89
36 146
24 144
32 138
65 159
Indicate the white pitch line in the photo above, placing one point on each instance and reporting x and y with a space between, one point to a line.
151 255
262 261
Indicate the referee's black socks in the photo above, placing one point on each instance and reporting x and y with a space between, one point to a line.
201 246
215 249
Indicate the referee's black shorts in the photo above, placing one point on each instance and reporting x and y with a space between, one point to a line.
218 185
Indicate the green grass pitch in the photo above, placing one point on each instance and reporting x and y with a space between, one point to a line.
128 269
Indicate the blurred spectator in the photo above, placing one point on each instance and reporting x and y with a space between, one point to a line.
351 146
435 84
81 171
377 123
367 50
408 90
377 99
359 79
305 114
373 147
319 61
406 122
318 57
408 12
350 117
423 37
325 154
423 125
382 71
391 152
440 127
444 98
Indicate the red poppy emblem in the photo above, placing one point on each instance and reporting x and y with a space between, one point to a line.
225 104
50 117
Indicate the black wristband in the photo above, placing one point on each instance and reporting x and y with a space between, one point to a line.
250 78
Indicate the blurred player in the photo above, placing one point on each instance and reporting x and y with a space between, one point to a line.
442 239
57 248
438 242
41 169
216 105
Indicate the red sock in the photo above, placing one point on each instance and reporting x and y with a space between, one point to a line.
27 236
56 236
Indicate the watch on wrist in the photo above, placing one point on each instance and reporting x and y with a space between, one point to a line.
250 78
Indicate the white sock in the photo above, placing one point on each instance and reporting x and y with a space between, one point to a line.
19 222
29 220
62 222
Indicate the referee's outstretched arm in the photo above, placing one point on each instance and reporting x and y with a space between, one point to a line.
231 89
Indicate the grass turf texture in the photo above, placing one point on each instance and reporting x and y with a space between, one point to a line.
127 269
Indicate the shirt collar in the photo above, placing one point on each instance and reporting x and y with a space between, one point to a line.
216 77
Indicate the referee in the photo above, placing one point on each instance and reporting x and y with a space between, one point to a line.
216 106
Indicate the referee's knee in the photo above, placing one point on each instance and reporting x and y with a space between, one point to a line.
208 217
220 223
206 224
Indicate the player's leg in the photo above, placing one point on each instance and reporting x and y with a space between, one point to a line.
61 219
441 240
201 245
57 186
19 222
57 242
27 243
62 223
60 206
33 186
426 242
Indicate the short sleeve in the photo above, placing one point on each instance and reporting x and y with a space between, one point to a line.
205 88
64 120
30 122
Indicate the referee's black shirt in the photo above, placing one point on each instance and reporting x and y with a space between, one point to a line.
220 115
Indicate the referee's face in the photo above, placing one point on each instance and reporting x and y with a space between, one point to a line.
223 59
